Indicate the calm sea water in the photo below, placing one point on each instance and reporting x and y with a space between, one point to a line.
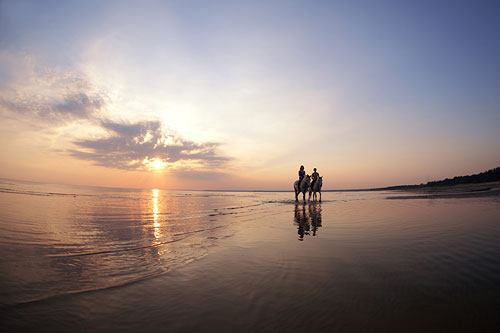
58 240
189 260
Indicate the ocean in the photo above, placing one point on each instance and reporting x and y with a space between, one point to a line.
104 259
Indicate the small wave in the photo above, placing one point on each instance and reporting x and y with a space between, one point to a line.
45 194
104 287
61 194
82 254
241 207
307 202
223 211
196 231
208 195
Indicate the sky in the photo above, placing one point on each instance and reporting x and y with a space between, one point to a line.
239 94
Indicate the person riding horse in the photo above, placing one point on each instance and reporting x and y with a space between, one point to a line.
302 173
314 178
305 180
302 185
317 183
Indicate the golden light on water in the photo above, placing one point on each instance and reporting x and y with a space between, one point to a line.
156 224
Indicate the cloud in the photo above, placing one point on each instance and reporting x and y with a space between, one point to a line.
50 97
46 95
133 146
64 108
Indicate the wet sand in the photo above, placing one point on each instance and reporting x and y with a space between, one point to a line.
354 263
491 189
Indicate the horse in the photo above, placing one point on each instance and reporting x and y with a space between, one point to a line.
316 188
304 186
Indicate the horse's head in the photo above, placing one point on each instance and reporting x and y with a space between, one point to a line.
308 179
320 181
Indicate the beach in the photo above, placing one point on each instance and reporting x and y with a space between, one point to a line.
489 189
91 259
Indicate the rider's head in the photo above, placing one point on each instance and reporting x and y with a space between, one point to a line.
301 167
314 169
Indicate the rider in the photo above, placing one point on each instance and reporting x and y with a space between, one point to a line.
302 174
314 177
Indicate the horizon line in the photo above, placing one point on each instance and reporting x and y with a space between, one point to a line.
179 189
388 188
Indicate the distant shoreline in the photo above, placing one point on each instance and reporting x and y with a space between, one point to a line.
489 189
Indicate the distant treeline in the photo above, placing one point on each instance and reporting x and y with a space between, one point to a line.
483 177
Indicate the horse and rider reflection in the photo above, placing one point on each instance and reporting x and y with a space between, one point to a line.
308 219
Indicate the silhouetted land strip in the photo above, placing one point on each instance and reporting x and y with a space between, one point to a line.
492 175
484 184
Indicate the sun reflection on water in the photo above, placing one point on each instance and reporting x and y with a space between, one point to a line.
156 224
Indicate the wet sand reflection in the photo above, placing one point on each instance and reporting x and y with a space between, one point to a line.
307 218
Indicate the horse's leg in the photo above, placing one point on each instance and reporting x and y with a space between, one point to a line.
319 196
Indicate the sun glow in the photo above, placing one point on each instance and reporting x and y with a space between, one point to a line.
155 164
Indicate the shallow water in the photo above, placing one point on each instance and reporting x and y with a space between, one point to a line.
60 240
111 259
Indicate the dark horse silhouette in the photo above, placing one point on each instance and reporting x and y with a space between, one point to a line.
316 188
304 187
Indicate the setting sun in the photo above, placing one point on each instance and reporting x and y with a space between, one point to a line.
155 164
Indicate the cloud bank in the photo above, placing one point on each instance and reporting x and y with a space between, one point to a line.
46 95
134 146
51 98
